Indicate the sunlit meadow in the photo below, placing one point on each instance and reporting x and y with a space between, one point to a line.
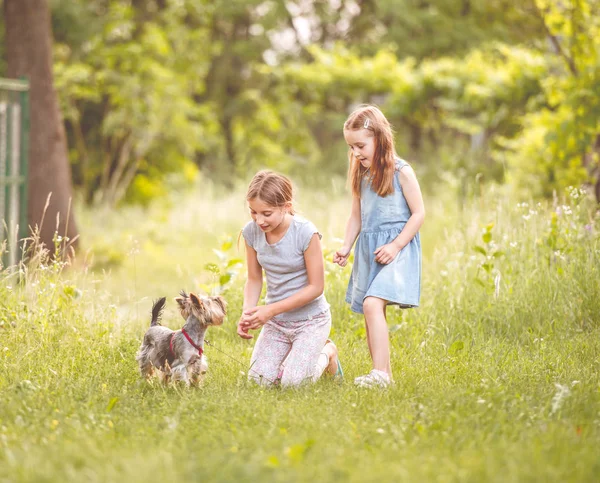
496 374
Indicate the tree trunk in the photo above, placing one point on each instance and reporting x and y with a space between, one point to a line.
29 54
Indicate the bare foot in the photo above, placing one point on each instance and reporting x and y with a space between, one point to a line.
331 350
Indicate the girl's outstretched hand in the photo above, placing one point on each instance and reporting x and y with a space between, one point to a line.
385 254
242 330
256 317
341 256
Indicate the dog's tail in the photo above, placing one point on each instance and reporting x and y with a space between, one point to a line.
157 309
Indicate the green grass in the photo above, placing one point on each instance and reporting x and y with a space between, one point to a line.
497 373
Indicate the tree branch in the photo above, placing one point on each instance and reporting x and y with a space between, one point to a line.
555 42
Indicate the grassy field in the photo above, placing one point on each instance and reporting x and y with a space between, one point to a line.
497 373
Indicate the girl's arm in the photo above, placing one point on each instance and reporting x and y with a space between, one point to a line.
313 257
412 192
252 288
353 226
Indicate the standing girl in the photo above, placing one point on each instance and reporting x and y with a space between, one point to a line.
295 319
387 212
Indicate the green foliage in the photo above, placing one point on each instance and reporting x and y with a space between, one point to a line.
225 272
498 92
149 123
441 28
560 142
488 275
484 94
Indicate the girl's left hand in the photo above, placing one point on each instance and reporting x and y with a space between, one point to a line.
256 317
385 254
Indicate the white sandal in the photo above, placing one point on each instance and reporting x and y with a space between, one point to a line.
375 378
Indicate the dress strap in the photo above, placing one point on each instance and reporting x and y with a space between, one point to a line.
400 163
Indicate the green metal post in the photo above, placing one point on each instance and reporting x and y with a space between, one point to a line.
14 96
24 172
8 144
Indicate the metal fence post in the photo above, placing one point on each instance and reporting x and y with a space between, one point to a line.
14 148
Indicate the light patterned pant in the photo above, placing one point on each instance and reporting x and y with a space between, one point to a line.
290 352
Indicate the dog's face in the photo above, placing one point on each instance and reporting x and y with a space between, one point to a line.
208 310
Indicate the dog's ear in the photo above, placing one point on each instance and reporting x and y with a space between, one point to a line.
221 302
182 298
196 300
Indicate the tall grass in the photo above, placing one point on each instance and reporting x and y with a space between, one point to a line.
496 373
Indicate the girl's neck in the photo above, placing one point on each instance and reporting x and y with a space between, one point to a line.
280 230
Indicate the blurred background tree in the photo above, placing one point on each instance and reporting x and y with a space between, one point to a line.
28 50
157 92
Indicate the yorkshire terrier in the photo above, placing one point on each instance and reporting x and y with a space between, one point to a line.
179 355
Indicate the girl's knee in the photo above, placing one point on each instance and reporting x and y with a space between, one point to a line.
372 305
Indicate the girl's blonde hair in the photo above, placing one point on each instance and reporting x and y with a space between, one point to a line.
383 166
273 188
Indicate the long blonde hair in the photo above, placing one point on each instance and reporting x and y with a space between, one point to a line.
273 188
382 168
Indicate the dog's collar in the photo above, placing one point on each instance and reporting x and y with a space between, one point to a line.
197 347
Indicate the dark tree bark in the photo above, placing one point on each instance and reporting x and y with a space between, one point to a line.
29 54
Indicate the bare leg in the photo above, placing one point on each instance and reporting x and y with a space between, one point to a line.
389 358
377 333
368 337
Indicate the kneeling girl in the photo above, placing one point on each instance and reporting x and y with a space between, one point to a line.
293 345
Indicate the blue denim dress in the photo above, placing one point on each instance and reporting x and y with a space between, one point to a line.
383 218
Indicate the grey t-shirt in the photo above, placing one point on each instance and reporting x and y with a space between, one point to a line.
284 265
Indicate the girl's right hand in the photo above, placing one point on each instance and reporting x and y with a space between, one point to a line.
242 330
341 256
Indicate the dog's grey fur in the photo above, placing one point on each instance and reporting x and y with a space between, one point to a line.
184 363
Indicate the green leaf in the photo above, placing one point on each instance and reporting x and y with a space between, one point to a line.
486 237
456 347
111 404
225 278
480 249
234 262
211 267
226 246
